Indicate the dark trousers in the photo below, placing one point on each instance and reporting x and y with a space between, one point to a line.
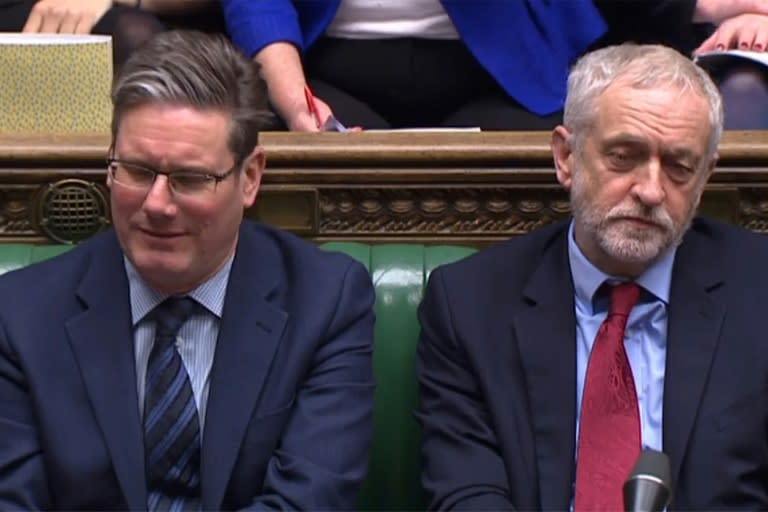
409 82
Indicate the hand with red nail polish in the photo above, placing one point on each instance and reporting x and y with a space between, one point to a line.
745 32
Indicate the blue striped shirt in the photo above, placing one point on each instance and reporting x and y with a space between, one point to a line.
196 341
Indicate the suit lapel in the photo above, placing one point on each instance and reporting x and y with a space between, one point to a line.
101 339
695 320
251 328
546 334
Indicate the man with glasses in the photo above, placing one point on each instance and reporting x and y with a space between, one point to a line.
186 359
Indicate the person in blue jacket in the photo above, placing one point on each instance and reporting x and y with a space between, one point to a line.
415 62
495 64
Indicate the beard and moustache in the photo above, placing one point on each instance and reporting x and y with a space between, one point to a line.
620 240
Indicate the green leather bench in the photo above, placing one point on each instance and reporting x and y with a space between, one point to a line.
399 272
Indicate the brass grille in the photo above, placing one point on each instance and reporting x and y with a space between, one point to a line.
72 210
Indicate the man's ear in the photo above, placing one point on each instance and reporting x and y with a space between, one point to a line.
562 152
252 172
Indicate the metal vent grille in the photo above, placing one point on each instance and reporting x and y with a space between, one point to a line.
72 210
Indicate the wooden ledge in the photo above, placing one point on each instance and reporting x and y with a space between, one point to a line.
448 187
376 149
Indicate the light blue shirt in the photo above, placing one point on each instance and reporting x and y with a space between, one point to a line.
645 336
196 340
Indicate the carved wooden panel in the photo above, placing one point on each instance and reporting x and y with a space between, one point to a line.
431 211
754 209
15 216
472 188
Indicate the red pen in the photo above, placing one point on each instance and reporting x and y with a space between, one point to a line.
331 124
312 105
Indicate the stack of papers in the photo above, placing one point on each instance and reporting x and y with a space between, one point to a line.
55 84
711 60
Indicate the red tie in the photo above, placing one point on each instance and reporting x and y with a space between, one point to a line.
609 431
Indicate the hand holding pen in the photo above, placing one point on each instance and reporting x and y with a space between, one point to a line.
326 123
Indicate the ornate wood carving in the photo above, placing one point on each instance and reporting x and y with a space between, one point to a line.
754 210
15 217
454 211
472 188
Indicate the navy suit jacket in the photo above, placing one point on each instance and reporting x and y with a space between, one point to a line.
497 373
289 418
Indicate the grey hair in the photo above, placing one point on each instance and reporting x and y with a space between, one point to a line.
204 71
640 66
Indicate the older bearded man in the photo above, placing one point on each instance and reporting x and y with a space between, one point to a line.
547 363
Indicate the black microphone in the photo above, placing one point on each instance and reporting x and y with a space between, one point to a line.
649 486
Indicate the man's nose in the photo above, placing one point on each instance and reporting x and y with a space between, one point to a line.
649 187
159 198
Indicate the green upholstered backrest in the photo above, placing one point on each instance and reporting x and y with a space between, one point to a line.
14 256
399 273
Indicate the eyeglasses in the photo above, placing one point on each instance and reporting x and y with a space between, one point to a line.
189 183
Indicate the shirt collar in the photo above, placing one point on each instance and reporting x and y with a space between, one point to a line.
144 298
587 278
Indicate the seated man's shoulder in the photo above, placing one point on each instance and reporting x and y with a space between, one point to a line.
296 256
64 268
519 256
310 282
729 238
290 244
38 284
725 251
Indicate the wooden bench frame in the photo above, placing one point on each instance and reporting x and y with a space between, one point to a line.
455 187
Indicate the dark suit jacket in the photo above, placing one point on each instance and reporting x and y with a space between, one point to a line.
289 417
497 373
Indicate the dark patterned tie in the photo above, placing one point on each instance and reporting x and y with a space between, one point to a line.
171 423
609 430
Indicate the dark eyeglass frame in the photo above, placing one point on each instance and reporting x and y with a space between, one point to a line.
217 178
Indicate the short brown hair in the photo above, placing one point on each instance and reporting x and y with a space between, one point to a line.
204 71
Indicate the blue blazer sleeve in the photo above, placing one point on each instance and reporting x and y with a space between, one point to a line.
528 46
252 25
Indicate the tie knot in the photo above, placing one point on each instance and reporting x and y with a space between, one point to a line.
171 314
624 296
